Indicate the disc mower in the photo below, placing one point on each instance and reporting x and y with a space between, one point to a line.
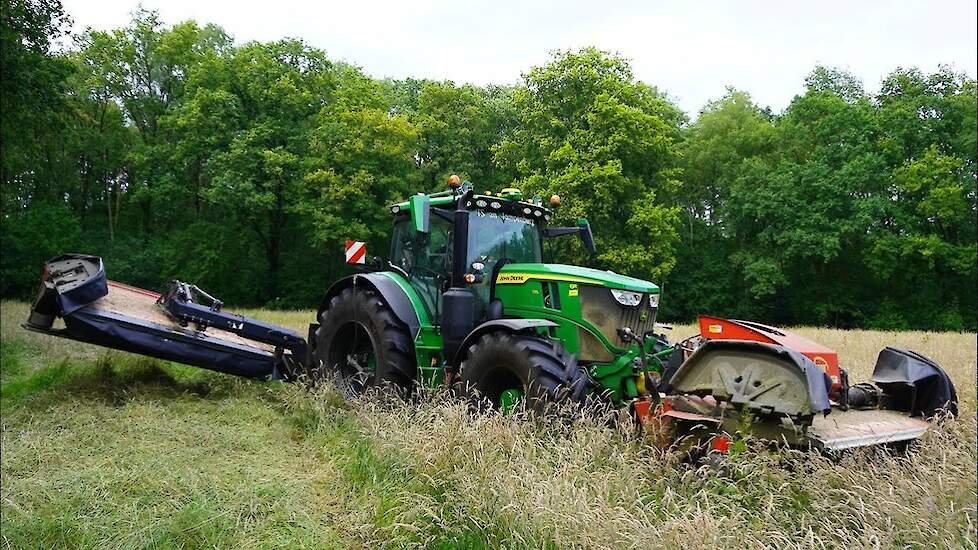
465 300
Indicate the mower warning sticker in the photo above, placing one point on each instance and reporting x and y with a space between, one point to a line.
716 329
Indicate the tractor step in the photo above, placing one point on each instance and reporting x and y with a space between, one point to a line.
105 313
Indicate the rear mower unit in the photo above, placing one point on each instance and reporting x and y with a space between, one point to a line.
465 300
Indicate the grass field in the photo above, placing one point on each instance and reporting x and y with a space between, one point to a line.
104 449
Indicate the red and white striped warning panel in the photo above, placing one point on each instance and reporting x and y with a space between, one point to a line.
356 252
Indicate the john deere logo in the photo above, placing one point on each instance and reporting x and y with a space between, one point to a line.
520 278
511 278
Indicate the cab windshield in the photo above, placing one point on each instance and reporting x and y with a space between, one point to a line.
493 237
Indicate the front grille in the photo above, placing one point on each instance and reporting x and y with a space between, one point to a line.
600 308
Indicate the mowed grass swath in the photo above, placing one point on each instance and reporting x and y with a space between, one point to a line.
108 449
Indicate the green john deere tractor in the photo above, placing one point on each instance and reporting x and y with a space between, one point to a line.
466 301
466 298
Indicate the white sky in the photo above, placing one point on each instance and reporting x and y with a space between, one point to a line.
692 50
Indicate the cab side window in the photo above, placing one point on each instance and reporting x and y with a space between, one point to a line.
426 258
403 247
423 254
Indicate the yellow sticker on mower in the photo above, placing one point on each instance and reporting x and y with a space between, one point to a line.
716 329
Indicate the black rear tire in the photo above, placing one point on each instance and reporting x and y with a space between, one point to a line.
540 367
361 341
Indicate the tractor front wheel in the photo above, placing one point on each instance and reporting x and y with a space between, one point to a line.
360 341
505 368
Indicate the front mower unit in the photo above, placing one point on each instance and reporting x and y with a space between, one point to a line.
741 378
766 379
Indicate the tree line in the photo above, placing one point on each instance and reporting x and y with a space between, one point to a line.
174 152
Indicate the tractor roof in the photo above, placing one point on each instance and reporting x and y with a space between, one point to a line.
506 201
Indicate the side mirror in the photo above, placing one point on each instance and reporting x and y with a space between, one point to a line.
582 229
420 213
586 236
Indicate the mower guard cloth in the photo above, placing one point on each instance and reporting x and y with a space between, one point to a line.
767 379
108 329
914 383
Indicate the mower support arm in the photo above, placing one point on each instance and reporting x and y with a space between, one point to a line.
180 304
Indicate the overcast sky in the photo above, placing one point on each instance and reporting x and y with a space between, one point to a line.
692 50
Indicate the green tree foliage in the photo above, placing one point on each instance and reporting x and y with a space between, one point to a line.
259 180
846 210
36 165
175 153
362 160
32 94
457 128
729 134
585 128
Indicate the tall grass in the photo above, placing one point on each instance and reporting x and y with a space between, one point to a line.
107 449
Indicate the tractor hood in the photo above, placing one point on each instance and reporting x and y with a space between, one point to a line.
519 273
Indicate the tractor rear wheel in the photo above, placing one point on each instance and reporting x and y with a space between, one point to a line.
505 368
361 341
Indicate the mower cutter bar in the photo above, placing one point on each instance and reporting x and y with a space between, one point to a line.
105 313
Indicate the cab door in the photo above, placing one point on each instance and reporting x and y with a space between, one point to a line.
426 258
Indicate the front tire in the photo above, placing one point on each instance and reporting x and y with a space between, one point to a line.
502 365
360 341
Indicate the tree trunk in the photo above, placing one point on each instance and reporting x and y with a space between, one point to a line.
147 207
108 205
197 192
274 249
118 199
86 179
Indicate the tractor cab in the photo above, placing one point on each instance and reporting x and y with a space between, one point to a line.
496 229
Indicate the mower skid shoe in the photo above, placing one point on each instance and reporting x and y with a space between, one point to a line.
766 379
113 315
854 428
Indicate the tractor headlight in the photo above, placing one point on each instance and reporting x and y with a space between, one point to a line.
653 300
626 297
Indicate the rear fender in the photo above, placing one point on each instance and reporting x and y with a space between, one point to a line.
391 292
506 325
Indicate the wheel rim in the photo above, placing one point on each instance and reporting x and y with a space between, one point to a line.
353 355
510 399
502 387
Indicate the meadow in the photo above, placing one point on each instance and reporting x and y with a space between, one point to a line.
106 449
